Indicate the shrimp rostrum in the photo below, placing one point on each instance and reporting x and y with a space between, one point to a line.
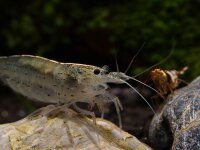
50 81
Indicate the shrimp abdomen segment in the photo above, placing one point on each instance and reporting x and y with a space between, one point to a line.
37 78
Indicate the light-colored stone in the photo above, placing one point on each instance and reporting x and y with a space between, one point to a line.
59 128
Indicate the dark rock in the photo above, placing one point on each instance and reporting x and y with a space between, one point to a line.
177 126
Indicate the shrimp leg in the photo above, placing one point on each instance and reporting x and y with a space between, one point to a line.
85 112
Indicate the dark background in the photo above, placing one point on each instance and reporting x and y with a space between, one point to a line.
93 32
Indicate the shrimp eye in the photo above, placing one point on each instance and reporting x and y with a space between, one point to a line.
96 71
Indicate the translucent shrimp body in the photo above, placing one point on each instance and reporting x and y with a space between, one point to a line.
50 81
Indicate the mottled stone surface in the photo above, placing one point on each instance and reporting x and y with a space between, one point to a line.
59 128
177 126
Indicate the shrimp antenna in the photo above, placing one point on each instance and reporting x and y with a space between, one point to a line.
162 61
140 96
147 86
116 63
130 64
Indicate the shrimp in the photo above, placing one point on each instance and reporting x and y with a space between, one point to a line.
50 81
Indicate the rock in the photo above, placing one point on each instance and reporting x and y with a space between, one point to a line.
59 128
177 126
